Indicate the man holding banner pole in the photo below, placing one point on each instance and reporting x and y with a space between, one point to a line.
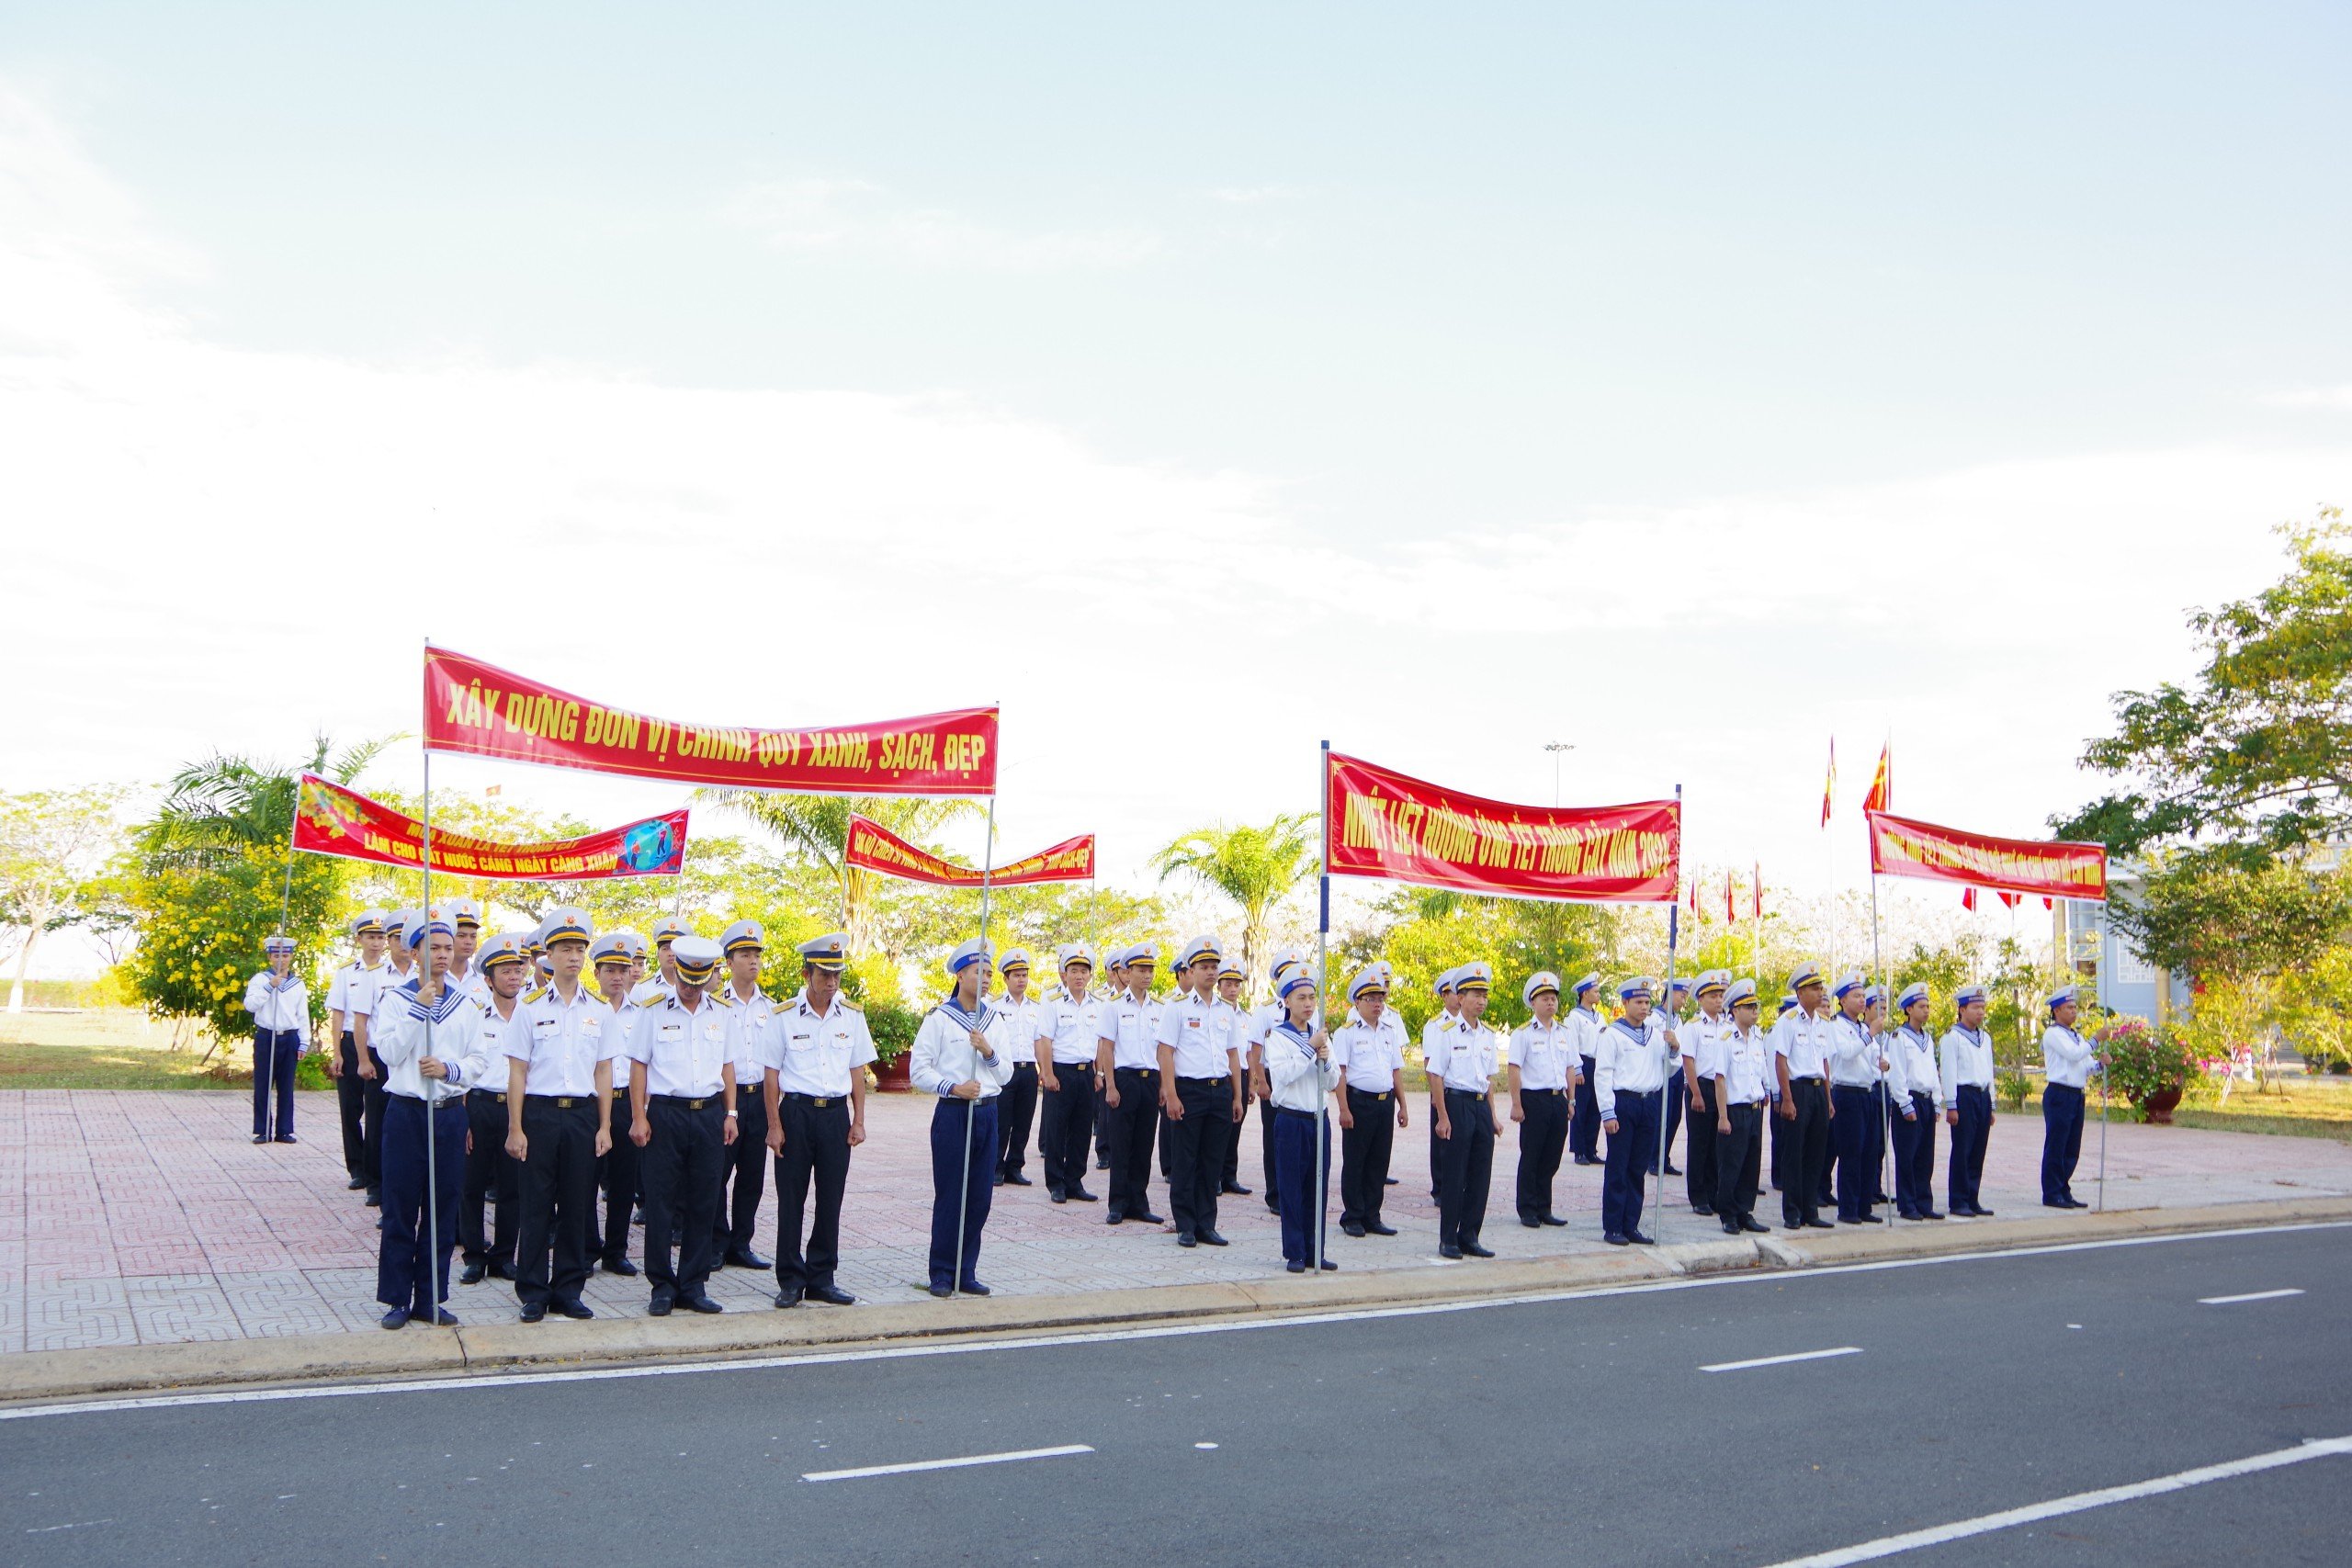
434 1051
2066 1060
954 1058
1631 1083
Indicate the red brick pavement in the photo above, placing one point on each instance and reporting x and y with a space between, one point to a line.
141 1217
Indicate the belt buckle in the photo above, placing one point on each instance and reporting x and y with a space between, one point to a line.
820 1103
694 1105
1382 1095
563 1103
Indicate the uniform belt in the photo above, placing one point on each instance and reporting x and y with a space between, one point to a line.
683 1102
1804 1078
1147 1072
818 1100
1286 1111
1524 1090
1473 1093
560 1101
1224 1077
497 1094
1370 1094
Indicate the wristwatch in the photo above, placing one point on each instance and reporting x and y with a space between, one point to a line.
731 1116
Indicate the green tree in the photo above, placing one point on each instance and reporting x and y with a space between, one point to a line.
1256 866
216 864
54 848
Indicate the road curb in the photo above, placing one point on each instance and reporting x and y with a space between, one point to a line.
417 1352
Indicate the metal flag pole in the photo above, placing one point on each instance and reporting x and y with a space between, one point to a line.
2067 911
266 1060
1322 1006
972 1106
432 1182
1886 1093
1673 931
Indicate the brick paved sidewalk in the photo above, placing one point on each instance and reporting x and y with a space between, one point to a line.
145 1218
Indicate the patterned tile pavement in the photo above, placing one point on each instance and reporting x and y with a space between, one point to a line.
142 1218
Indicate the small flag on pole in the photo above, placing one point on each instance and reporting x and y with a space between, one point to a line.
1829 783
2010 900
1968 898
1882 782
1731 910
1758 899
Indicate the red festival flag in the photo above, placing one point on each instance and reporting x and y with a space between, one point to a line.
1902 847
1881 782
1829 783
872 847
1757 899
332 820
1731 910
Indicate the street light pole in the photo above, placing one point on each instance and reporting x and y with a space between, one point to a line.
1556 747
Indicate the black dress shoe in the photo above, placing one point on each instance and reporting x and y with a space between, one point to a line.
1980 1212
1818 1225
1149 1218
744 1258
942 1292
1673 1170
1212 1238
997 1179
1376 1228
261 1137
576 1309
1638 1240
973 1288
1553 1220
1016 1179
1294 1268
375 1199
1614 1239
1472 1250
286 1137
619 1264
1388 1181
1234 1189
661 1303
1755 1226
1589 1159
1931 1213
1186 1238
831 1295
1448 1252
502 1271
534 1311
1115 1218
788 1297
396 1318
1706 1209
1273 1204
1351 1227
1056 1195
1864 1219
1533 1221
700 1302
357 1184
1080 1195
1731 1227
1101 1165
470 1274
445 1318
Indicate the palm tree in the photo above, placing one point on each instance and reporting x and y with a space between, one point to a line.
819 826
1257 867
232 805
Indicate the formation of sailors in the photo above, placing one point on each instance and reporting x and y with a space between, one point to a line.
565 1091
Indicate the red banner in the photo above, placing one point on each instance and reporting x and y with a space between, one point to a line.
482 710
332 820
1386 825
2054 869
876 847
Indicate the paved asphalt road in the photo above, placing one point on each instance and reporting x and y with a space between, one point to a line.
1575 1430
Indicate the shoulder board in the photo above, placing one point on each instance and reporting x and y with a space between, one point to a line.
533 995
842 1001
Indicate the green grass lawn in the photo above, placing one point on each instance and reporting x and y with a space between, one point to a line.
2295 1105
109 1048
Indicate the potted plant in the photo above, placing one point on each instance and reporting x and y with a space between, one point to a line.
2148 1068
893 1028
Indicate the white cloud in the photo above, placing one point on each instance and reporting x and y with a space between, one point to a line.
2337 398
216 546
858 217
1253 195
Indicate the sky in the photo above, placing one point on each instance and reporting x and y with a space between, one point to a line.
1686 383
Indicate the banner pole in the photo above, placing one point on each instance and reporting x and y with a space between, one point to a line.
1322 1003
1885 1092
432 1178
2067 908
1673 931
972 1107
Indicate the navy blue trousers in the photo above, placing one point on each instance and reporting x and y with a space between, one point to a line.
1584 1127
1674 1091
2062 1140
1854 1132
947 1174
1965 1175
273 1053
1632 1149
1915 1158
412 1268
1294 1182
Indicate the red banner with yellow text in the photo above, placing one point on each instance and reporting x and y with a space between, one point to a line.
332 820
1386 825
2054 869
484 711
876 847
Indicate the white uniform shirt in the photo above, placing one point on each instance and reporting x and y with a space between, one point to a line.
1853 1054
817 1054
279 1005
1462 1056
1967 1059
1740 1058
943 1056
1543 1055
1632 1060
1073 1025
751 1027
381 1015
624 1025
1200 1033
651 989
1584 1031
2065 1056
475 986
1702 1040
1133 1029
1372 1054
495 1032
455 1040
685 1053
1299 1082
1911 1058
560 1043
1021 1022
351 992
1807 1041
